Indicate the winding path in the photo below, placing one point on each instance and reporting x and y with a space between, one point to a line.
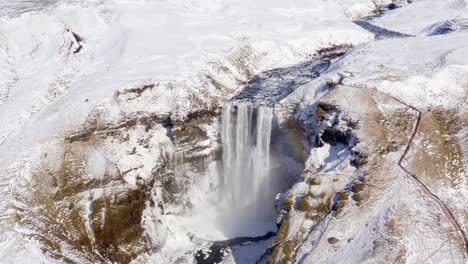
445 209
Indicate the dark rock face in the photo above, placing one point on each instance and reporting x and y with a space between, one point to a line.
335 127
186 137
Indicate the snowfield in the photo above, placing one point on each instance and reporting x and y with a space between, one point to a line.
110 144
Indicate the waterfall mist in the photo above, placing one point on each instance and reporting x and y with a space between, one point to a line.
236 196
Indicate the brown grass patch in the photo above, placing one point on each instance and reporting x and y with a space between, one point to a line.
70 229
438 155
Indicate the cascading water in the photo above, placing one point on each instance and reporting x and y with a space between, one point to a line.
246 134
236 196
233 200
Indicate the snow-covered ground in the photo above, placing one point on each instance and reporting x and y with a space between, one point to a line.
70 66
50 85
129 43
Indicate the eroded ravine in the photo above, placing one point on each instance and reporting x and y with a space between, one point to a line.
223 157
252 168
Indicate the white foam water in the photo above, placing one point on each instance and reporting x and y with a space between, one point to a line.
236 196
246 135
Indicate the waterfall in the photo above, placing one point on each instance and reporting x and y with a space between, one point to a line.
246 133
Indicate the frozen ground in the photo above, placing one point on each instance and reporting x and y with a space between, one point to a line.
63 61
50 85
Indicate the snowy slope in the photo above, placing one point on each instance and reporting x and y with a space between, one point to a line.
395 219
70 67
127 43
62 60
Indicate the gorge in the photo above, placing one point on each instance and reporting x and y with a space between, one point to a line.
233 132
